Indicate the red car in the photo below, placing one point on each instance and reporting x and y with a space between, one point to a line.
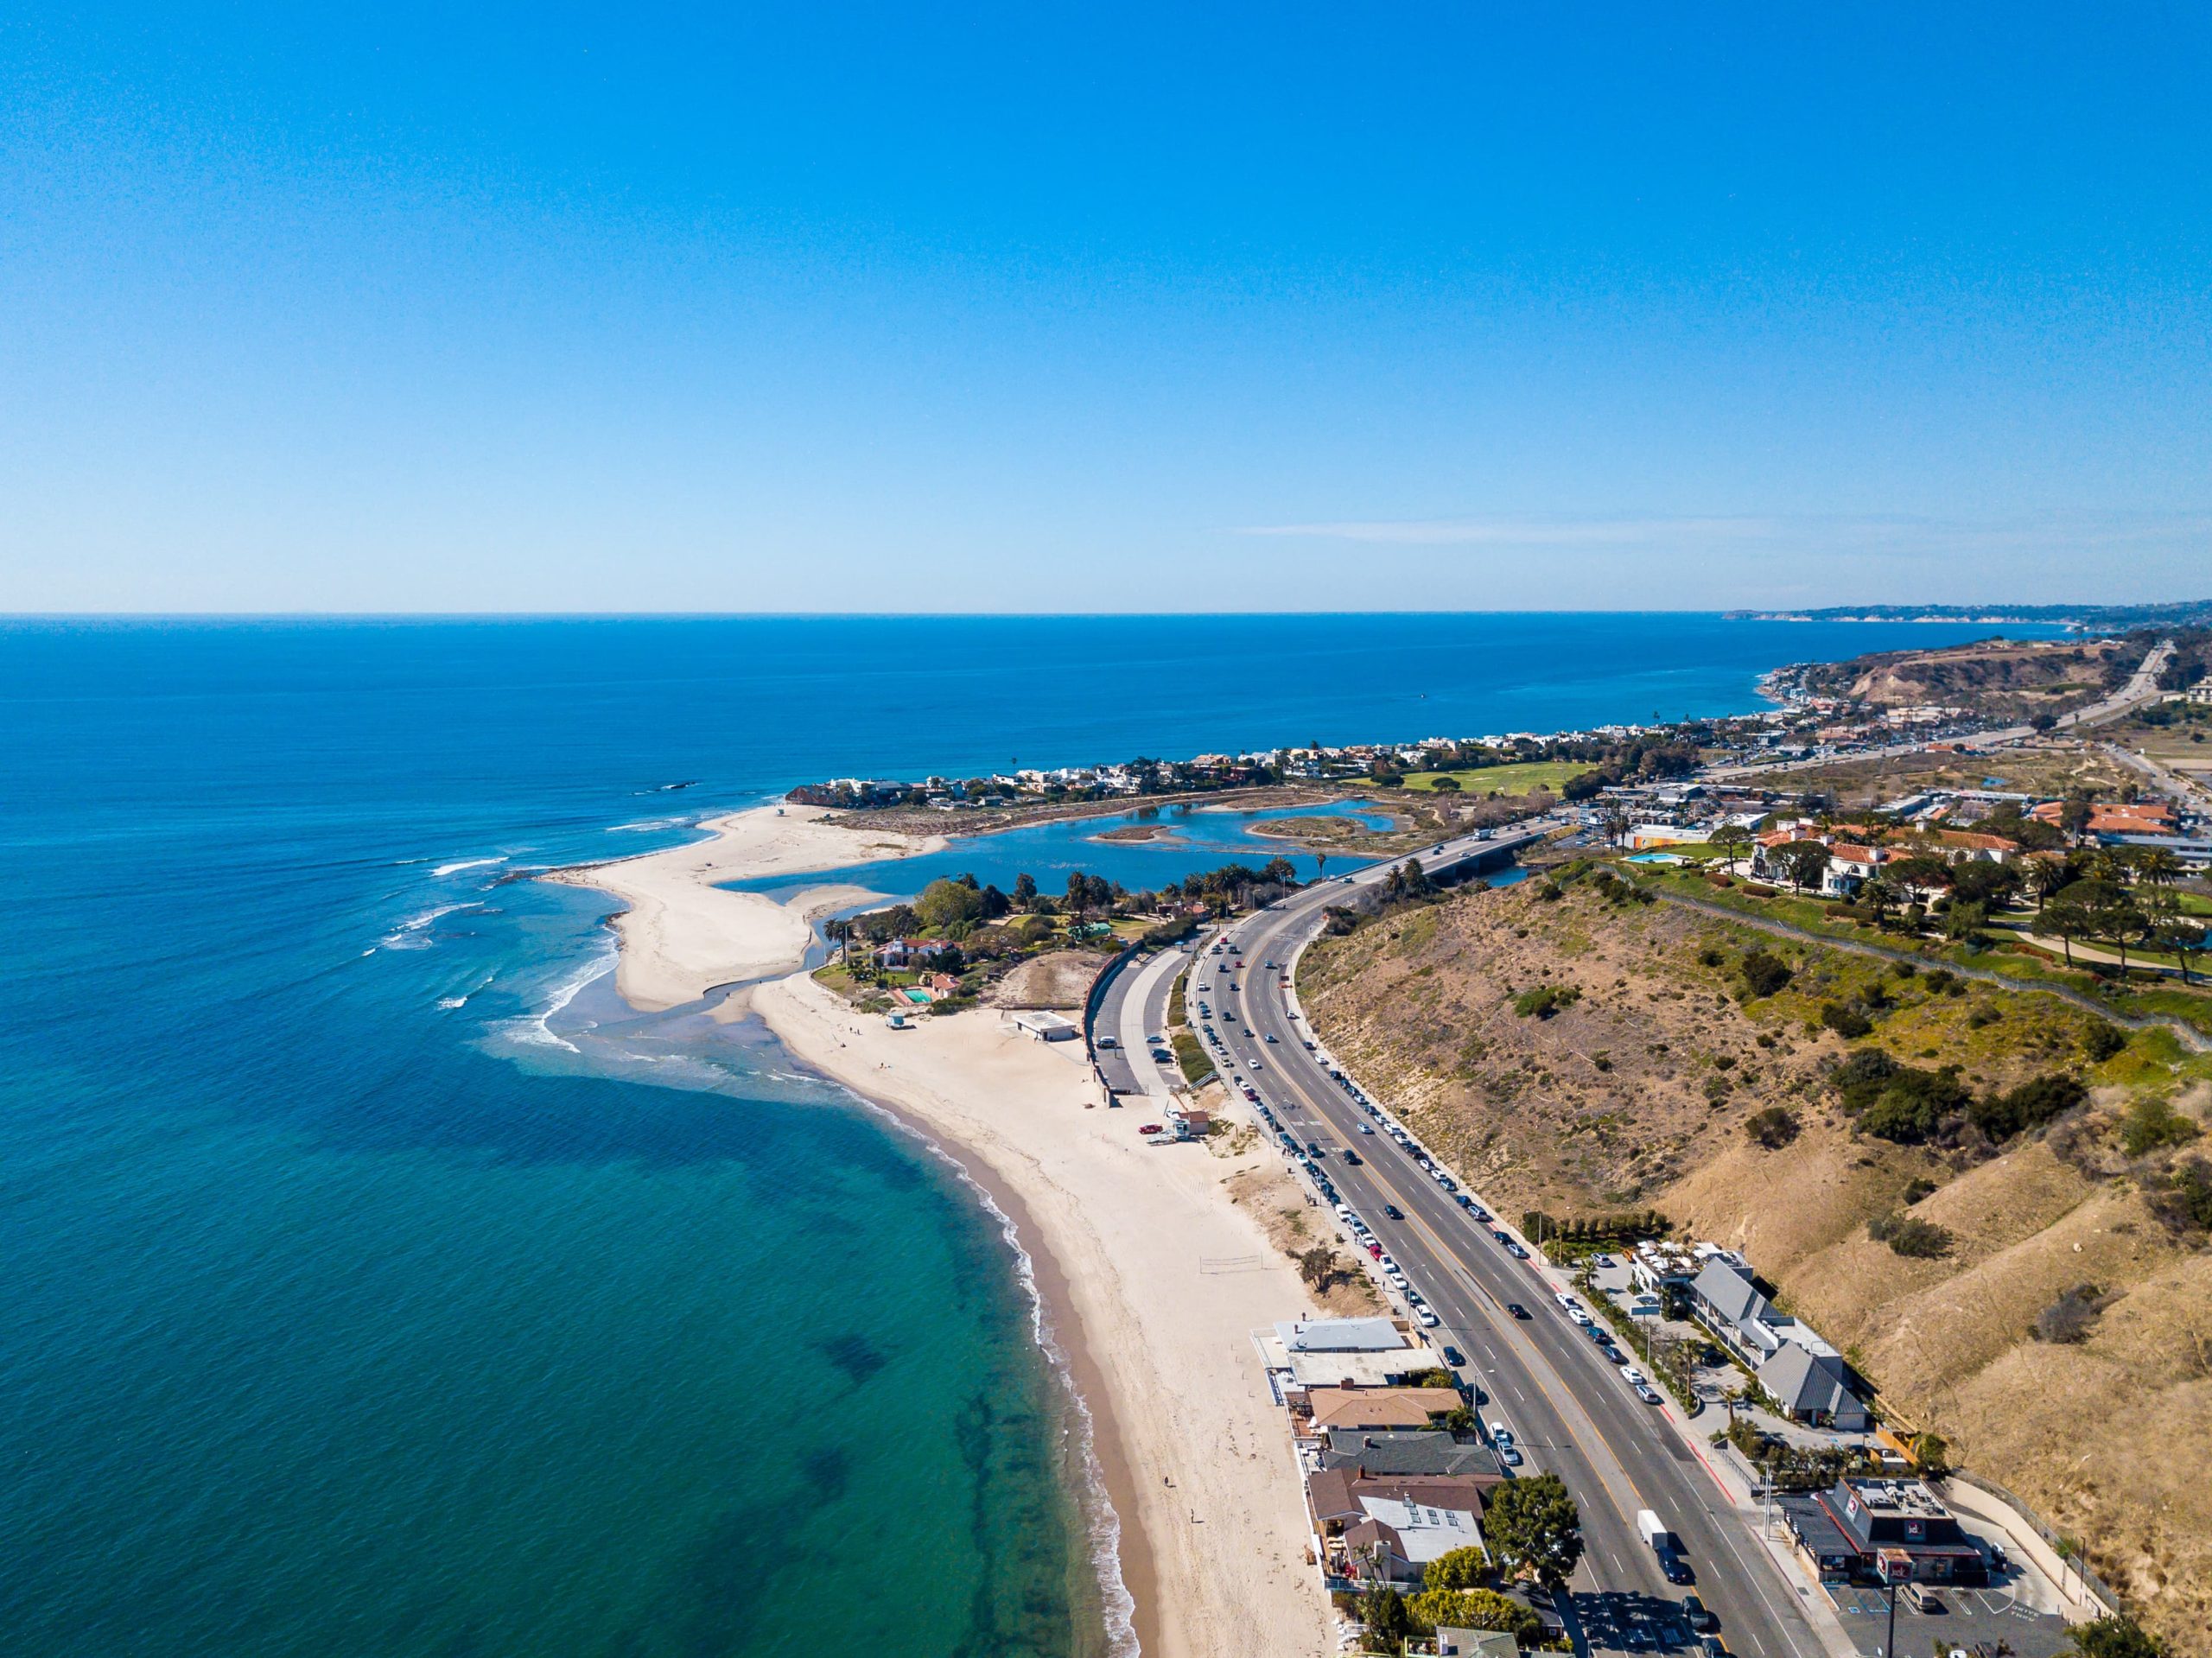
1375 1249
1152 1129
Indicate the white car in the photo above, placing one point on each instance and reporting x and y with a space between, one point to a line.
1501 1434
1578 1316
1509 1455
1633 1377
1429 1319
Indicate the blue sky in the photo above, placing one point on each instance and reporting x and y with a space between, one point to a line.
1039 308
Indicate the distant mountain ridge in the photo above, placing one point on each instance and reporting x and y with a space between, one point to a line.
2192 612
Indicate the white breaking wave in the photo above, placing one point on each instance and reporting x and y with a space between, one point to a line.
410 934
467 863
453 1001
652 823
536 1029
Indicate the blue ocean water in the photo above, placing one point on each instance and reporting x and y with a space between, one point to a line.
352 1310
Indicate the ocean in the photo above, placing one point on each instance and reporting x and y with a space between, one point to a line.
365 1297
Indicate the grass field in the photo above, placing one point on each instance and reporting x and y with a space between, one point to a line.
1503 780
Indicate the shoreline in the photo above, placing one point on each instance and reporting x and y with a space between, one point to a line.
682 934
1146 1278
1059 1334
1153 1280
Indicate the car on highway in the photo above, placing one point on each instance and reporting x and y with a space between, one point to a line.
1634 1377
1107 1042
1650 1396
1365 1128
1501 1434
1695 1615
1393 1211
1510 1455
1516 1252
1427 1317
1351 1157
1480 1215
1517 1309
1375 1249
1271 1036
1453 1356
1501 1235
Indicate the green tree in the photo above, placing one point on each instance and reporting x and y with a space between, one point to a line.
1476 1609
1025 890
1383 1610
1733 841
1459 1568
947 905
2067 918
2182 935
1447 785
1804 862
1534 1527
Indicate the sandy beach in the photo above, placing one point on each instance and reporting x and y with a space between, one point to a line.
1164 1278
682 934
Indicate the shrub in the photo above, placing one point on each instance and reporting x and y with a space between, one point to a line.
2071 1318
1773 1128
1846 1020
1711 955
1546 999
2102 1040
1940 980
2151 1123
1982 1016
1908 1235
2184 1202
1916 1189
1765 974
2029 1106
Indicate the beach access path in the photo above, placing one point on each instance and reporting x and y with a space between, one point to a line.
1164 1278
683 934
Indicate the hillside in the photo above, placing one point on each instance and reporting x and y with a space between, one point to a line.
2010 678
1637 1086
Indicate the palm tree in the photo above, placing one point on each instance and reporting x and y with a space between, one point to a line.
2157 866
1881 895
2050 878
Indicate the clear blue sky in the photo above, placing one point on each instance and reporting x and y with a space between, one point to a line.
1051 308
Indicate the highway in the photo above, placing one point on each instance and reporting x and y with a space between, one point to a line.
1572 1413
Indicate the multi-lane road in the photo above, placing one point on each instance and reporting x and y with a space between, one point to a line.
1571 1412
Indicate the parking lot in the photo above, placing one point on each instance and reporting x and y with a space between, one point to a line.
1972 1618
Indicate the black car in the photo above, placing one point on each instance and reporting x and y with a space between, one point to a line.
1517 1309
1351 1157
1453 1356
1393 1211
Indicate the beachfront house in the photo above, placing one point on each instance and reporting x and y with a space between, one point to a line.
1389 1528
1366 1409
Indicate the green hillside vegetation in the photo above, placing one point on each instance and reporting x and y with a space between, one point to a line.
1924 1164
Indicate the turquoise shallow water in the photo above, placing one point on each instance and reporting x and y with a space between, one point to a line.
352 1309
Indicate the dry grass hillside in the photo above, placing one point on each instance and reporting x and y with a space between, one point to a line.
2002 677
1641 1082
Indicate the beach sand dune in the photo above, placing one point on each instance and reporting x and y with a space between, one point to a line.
1164 1278
682 934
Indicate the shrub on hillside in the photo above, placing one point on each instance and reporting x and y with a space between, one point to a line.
1545 999
1898 1103
1846 1020
2151 1123
2101 1041
2071 1318
1773 1128
2030 1105
1764 975
1908 1235
2183 1201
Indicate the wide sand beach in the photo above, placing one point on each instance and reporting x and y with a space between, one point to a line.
1153 1279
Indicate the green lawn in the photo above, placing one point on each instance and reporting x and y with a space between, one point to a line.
1503 780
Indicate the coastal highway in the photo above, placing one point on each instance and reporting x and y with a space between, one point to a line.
1570 1411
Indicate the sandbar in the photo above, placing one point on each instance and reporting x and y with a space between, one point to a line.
682 934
